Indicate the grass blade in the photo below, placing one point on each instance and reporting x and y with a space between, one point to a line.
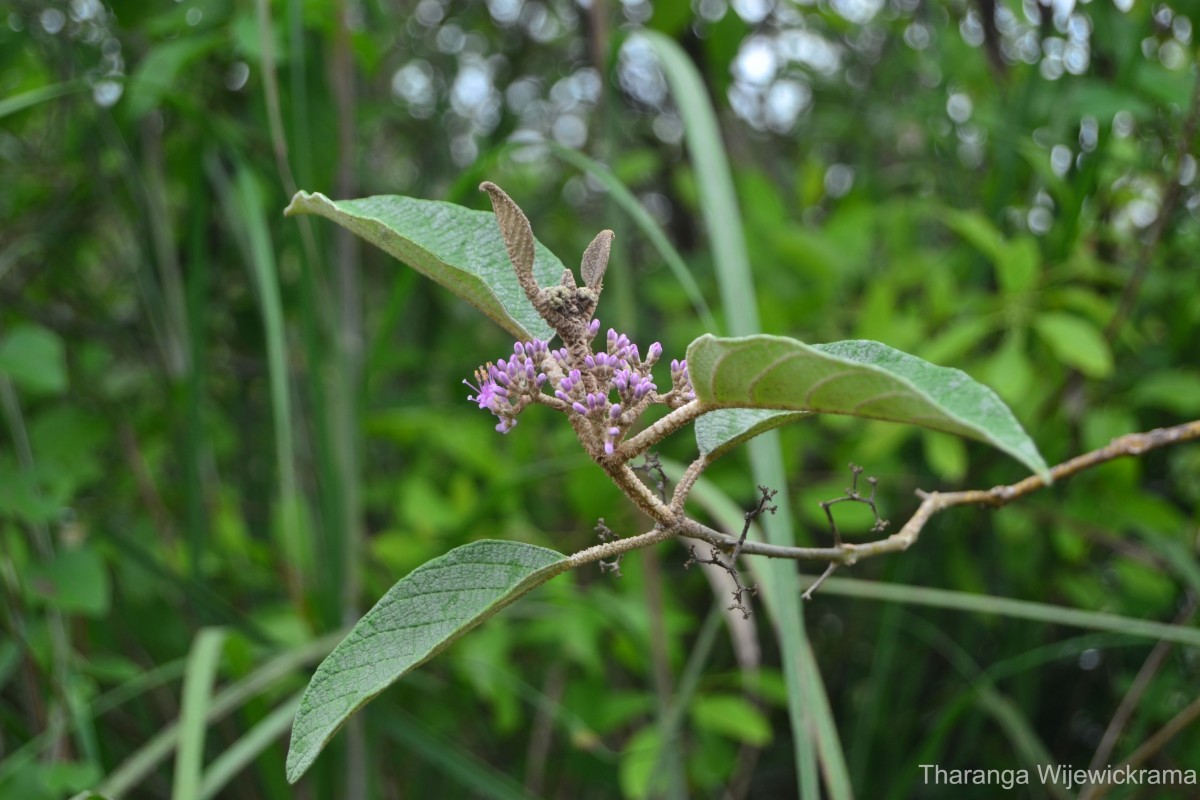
718 201
1007 607
203 661
1028 746
460 766
135 769
242 752
714 182
42 94
624 198
243 204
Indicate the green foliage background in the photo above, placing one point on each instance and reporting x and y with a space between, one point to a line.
226 433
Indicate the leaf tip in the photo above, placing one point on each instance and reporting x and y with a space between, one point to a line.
517 235
302 203
595 260
298 763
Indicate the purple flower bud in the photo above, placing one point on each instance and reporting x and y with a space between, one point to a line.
561 395
593 327
654 352
615 411
614 432
608 448
580 407
590 361
541 378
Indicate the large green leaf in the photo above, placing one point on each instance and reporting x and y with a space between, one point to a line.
859 378
719 431
459 248
419 617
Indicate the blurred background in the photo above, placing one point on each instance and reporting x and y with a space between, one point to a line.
227 433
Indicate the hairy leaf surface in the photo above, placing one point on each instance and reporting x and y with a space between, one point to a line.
859 378
459 248
419 617
719 431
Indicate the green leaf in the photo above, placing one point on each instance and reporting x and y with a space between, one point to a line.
157 75
1018 267
732 716
978 231
718 432
33 357
1176 390
1076 342
859 378
419 617
638 759
1016 261
459 248
76 581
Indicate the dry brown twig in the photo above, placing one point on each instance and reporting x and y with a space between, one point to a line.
672 522
932 503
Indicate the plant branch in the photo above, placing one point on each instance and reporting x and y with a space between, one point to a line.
641 494
617 547
673 522
687 481
660 430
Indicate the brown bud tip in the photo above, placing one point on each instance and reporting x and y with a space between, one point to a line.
595 260
518 236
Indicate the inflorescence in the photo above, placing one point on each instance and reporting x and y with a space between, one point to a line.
609 389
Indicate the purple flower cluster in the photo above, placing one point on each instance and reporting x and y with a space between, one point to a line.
506 387
681 382
585 388
619 368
